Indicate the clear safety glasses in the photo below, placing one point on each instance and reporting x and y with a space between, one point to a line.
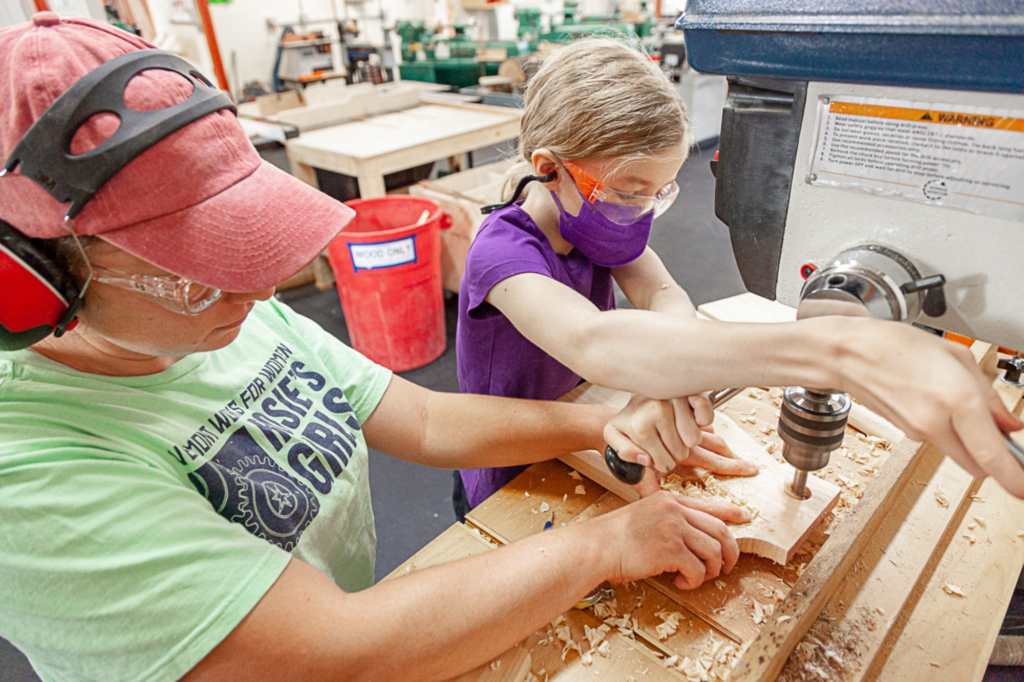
177 294
620 207
174 293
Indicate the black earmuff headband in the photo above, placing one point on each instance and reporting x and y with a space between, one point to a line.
550 177
44 155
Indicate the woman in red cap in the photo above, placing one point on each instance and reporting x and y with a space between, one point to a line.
184 472
183 475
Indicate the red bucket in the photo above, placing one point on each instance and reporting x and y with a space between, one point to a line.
387 262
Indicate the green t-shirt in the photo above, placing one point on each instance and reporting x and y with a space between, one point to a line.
141 518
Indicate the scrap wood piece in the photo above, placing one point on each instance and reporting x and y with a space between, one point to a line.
781 522
768 653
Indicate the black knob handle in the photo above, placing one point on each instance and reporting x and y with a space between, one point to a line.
627 472
934 304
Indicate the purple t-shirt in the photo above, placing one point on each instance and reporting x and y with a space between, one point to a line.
493 357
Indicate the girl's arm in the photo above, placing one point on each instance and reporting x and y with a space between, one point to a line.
649 286
930 388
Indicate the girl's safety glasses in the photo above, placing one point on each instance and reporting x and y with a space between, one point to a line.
174 293
621 208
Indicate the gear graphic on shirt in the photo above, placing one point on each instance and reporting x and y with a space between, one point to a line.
279 507
246 486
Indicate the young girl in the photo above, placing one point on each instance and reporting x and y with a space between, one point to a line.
609 133
603 136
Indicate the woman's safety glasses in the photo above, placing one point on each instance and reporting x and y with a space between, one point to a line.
174 293
621 208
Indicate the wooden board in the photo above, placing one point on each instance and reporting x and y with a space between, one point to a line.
783 522
357 102
456 542
948 638
370 149
727 603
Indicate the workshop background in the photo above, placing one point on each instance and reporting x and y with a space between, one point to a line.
299 67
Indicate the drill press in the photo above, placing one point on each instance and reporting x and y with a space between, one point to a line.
871 162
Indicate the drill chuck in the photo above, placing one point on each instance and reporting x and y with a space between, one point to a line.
812 424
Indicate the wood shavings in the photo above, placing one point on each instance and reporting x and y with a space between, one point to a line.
980 520
748 420
970 538
580 490
604 610
565 497
575 475
496 664
596 635
544 506
1020 533
669 625
977 498
527 493
941 498
950 588
783 619
880 610
761 611
530 677
971 526
706 488
934 664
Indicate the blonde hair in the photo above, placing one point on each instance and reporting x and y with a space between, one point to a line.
599 98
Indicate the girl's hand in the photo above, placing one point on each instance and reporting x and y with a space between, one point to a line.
664 434
933 390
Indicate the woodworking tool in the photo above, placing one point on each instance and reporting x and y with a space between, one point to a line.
856 170
599 594
631 472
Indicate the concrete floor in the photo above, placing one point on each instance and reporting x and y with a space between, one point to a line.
411 503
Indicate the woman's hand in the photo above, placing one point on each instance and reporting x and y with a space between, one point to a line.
662 533
664 434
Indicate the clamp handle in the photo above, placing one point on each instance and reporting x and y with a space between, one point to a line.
632 473
629 473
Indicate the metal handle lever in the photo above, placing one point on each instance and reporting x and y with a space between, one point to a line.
1015 449
632 473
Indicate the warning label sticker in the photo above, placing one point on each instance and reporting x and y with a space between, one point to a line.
966 158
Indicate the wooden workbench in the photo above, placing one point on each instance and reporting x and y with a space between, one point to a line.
370 149
910 579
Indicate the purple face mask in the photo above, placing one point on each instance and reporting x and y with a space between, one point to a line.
602 239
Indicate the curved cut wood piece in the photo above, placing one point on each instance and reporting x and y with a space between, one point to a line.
783 522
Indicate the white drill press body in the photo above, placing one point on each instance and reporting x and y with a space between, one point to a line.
916 209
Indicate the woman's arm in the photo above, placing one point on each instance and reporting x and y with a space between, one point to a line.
930 388
439 622
468 431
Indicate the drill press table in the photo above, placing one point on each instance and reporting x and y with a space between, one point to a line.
910 581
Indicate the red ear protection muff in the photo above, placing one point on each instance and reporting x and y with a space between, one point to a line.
37 297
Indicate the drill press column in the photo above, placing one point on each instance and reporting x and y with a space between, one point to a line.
812 424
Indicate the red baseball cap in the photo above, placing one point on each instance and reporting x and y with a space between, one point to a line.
200 203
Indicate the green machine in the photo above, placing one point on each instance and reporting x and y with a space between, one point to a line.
450 61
